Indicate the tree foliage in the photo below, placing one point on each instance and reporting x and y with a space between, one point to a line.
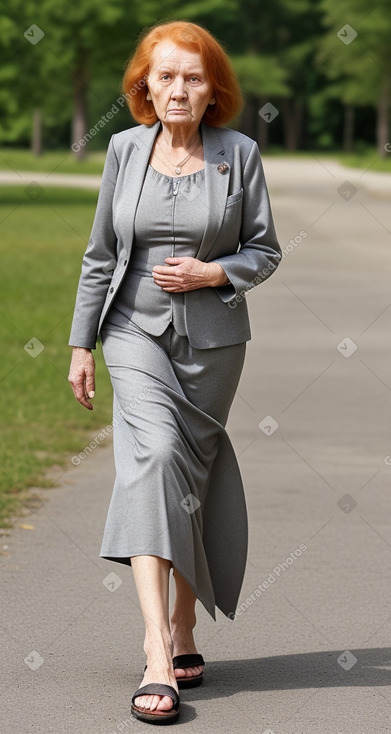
291 53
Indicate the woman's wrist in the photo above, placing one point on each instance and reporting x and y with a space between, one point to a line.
218 275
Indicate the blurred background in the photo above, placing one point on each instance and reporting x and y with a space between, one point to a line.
324 64
316 75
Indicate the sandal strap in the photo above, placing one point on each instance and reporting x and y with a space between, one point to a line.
158 689
188 661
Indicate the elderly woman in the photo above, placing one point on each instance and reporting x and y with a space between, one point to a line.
182 230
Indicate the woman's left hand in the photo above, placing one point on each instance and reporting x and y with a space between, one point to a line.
188 274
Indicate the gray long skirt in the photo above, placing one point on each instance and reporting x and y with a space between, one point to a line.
178 492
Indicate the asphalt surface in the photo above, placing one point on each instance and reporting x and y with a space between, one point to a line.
309 651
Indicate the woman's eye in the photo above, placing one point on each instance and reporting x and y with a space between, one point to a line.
166 77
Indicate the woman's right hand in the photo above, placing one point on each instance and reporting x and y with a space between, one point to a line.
82 375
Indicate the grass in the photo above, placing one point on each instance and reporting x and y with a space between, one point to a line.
41 246
59 161
369 160
64 162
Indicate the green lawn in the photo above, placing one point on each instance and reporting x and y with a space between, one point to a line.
65 162
41 246
59 161
369 159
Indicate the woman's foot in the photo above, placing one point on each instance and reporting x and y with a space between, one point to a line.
184 644
159 670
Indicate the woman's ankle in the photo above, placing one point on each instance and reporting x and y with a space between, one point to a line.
181 623
158 646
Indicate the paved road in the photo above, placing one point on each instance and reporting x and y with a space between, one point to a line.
309 652
62 180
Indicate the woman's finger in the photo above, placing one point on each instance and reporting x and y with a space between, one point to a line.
79 390
90 383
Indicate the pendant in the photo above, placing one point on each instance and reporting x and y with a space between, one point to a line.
177 170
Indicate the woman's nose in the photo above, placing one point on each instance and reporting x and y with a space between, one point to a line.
179 91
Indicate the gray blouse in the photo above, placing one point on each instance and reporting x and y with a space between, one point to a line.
170 221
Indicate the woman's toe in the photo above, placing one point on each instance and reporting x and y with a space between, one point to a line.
165 704
150 703
180 672
188 672
143 702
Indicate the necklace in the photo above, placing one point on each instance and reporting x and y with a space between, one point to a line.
178 167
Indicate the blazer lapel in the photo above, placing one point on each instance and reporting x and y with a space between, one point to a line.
216 186
135 173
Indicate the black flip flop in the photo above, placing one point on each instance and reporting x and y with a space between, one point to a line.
157 689
189 661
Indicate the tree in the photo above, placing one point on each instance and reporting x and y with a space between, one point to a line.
48 79
87 42
285 52
22 88
273 45
355 54
261 77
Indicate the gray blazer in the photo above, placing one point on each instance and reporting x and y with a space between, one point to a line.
239 235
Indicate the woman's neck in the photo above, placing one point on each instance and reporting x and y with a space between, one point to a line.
179 136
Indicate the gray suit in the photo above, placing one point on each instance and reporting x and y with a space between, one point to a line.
178 493
238 212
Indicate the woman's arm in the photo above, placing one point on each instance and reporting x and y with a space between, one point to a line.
260 252
257 258
98 262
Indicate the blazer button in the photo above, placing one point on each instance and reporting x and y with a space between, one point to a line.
111 290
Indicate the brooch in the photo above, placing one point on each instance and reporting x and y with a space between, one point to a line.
222 167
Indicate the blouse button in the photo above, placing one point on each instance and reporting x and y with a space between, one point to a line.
125 262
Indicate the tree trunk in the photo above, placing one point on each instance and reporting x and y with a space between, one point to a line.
79 120
348 128
36 138
292 116
247 118
382 127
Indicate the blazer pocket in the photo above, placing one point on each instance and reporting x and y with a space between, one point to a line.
234 198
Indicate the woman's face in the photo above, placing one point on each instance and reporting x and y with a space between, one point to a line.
178 84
